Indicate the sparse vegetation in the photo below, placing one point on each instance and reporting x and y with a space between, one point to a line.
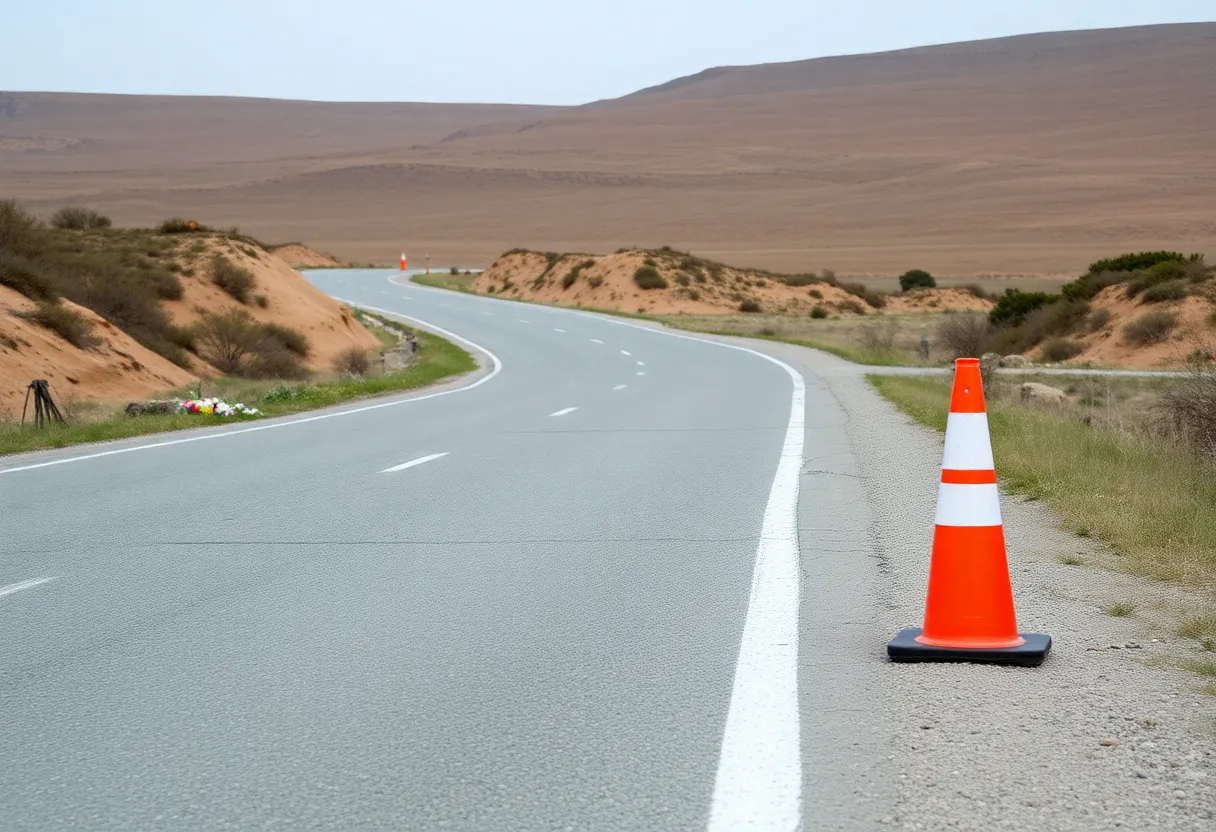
916 279
874 299
1167 291
1190 407
353 361
964 334
818 312
1154 504
1012 307
750 306
648 277
69 324
1061 349
1120 609
79 219
1150 328
177 225
236 280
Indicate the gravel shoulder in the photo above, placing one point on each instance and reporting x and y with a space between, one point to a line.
1105 735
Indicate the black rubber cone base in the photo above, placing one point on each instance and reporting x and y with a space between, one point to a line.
905 648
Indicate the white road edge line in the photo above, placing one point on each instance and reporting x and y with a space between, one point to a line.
422 460
274 425
555 329
17 587
618 387
596 341
563 412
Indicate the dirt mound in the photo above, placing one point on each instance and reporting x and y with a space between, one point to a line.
668 282
120 369
300 256
116 369
1193 330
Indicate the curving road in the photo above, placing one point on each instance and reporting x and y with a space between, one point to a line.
562 593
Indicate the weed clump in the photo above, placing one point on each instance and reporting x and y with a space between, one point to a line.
69 324
79 219
1061 349
1150 328
648 277
233 279
916 279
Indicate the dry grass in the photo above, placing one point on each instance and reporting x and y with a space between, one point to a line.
1149 499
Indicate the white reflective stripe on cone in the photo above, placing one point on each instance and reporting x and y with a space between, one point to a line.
968 445
968 505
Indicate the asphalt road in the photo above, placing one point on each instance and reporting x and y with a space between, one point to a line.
555 619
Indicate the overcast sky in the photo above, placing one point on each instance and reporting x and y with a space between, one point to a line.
526 51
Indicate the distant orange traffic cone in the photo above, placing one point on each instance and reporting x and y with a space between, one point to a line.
404 262
969 614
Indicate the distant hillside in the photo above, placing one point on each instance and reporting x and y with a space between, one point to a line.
1028 155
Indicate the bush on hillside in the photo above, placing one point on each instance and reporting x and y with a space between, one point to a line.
69 324
21 275
1139 261
1098 319
1150 328
817 311
1061 349
875 299
648 277
238 345
977 291
177 225
20 231
1167 291
1190 406
79 219
750 306
916 279
233 279
965 334
1012 307
289 339
1088 286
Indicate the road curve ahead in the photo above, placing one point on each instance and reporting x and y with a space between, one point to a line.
563 597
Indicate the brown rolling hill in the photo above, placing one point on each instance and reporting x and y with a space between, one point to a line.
1026 155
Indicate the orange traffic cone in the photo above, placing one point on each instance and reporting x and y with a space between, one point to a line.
969 614
404 262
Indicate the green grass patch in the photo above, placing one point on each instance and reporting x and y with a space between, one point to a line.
437 360
455 283
1120 609
1149 500
1204 667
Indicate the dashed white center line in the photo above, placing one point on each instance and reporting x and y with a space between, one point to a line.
522 321
422 460
640 373
641 363
618 387
555 329
406 297
491 314
30 584
626 352
596 341
563 412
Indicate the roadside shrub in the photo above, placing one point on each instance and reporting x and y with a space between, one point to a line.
79 219
815 293
262 301
165 284
965 335
682 279
21 275
1012 307
649 261
975 290
452 271
595 282
1150 328
69 324
1061 349
799 280
648 277
817 311
1190 407
233 279
353 361
693 294
916 279
182 337
20 231
750 306
878 336
268 362
852 306
177 225
1167 291
289 339
569 279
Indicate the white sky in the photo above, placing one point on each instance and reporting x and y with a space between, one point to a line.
527 51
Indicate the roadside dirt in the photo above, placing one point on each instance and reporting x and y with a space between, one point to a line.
300 256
